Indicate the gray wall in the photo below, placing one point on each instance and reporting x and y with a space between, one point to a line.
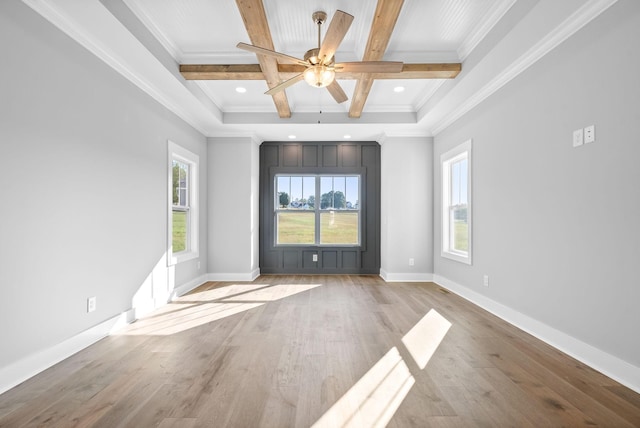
555 227
84 194
407 209
233 208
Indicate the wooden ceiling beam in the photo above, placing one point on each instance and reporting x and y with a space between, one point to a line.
384 21
286 71
221 72
255 21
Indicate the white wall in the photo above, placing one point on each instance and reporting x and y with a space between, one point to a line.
555 227
233 208
407 208
84 194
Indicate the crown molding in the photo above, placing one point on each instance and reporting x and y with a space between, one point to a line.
209 93
390 134
252 136
491 18
581 17
146 20
427 94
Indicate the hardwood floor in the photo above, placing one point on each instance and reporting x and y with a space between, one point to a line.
294 351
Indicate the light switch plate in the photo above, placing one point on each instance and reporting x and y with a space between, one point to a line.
578 137
91 304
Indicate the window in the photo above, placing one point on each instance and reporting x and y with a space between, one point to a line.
183 204
456 203
317 210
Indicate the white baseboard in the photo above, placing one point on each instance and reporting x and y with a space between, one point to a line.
186 287
16 373
230 276
607 364
405 277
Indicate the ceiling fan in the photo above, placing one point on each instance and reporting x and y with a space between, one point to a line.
320 66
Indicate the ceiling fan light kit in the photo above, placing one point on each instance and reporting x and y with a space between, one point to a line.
319 76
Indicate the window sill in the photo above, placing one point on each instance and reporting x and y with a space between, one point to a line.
175 259
453 256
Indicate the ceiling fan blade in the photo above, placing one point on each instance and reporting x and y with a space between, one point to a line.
262 51
284 85
335 33
336 92
370 67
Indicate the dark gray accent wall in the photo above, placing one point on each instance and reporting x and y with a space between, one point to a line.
321 158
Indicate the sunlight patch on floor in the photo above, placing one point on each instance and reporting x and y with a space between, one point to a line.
374 399
220 292
197 309
425 337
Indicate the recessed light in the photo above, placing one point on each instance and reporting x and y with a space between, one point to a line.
292 137
241 90
347 136
398 89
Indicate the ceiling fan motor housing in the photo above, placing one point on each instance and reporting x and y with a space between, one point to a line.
312 57
319 17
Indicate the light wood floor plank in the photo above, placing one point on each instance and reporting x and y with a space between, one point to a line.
293 351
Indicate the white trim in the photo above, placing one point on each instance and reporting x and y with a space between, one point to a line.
148 22
461 151
428 94
562 32
21 370
611 366
233 276
27 367
187 287
405 277
491 18
202 84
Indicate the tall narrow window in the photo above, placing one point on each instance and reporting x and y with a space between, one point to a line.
317 210
180 207
339 210
456 203
295 217
183 203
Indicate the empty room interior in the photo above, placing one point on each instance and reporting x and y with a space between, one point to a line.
330 213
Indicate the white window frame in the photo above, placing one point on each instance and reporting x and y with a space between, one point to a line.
447 159
192 250
317 210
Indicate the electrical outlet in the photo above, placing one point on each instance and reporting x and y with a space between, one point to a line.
485 280
412 262
198 265
589 134
315 258
578 137
91 304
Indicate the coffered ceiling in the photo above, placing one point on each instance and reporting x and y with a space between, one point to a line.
147 40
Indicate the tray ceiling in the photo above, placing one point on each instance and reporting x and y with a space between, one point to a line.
146 40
